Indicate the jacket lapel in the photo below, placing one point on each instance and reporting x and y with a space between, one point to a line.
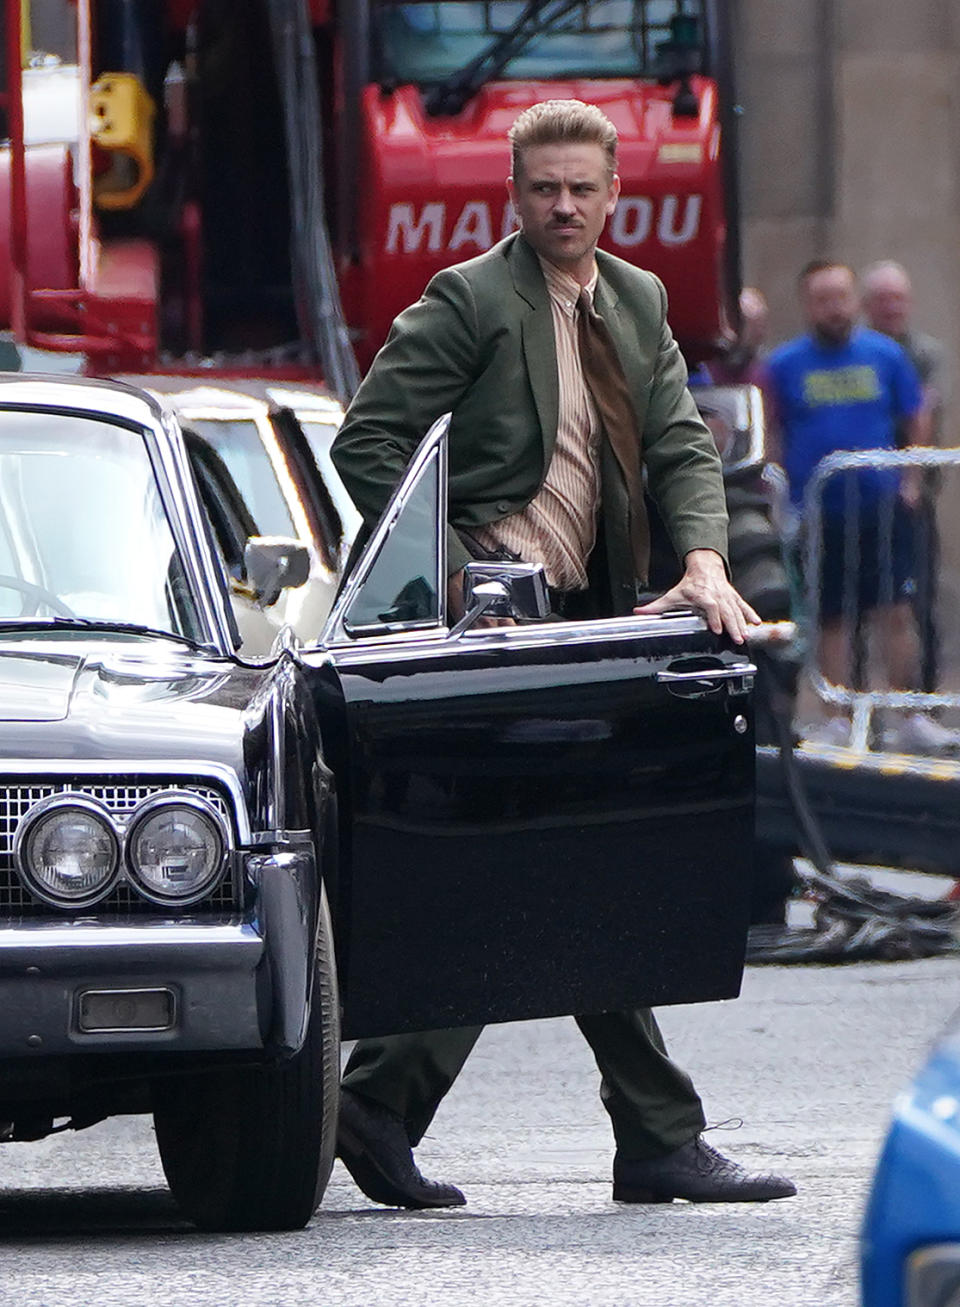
539 346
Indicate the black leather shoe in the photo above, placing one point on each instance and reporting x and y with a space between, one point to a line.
696 1172
372 1143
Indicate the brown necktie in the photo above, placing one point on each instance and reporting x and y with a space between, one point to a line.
603 374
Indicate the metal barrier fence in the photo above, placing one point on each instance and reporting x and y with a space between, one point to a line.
864 550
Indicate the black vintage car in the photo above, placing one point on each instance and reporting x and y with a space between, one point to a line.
211 866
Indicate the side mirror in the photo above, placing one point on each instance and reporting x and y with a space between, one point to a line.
517 590
734 415
274 564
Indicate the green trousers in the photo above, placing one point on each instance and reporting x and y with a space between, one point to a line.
653 1105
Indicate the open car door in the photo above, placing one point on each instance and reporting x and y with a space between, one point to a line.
545 818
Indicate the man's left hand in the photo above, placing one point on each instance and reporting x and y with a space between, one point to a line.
704 585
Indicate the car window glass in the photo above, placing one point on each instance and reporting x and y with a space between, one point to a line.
402 587
239 444
232 523
320 437
83 529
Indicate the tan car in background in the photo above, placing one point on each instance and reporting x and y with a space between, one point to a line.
261 457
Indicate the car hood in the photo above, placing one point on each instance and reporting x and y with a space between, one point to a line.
36 686
123 699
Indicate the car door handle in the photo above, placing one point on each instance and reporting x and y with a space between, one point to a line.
706 680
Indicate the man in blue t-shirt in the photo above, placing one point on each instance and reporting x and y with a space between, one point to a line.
843 387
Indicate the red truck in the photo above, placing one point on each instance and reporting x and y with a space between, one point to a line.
249 169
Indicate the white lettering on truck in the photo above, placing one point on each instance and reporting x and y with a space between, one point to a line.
668 233
403 228
630 224
473 227
673 219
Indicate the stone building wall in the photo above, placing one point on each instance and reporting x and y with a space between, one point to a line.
850 146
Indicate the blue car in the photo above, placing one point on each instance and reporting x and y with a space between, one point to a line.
911 1234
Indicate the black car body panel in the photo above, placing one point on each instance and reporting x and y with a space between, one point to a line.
528 832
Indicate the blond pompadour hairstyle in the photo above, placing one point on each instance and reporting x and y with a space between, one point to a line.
557 122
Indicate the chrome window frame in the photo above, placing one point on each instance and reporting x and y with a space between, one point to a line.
206 576
335 633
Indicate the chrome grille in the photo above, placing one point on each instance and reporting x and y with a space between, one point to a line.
120 796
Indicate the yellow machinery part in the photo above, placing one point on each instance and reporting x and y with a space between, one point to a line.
26 39
121 123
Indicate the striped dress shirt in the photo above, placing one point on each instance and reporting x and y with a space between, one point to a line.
558 528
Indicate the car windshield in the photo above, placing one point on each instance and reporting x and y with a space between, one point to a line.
240 445
83 531
424 43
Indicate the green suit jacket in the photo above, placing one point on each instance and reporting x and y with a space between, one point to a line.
480 344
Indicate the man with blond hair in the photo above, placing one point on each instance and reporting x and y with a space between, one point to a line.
546 449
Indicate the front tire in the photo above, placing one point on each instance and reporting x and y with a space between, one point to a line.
252 1148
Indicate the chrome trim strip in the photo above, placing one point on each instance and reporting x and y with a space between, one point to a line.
121 992
285 641
731 672
277 800
334 632
147 935
35 768
443 460
284 839
534 636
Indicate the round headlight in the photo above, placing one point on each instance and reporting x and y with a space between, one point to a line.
175 849
68 852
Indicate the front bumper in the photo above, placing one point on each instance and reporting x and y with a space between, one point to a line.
233 984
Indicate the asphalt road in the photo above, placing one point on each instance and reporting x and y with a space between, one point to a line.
808 1058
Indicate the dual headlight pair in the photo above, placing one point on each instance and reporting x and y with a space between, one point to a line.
70 850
